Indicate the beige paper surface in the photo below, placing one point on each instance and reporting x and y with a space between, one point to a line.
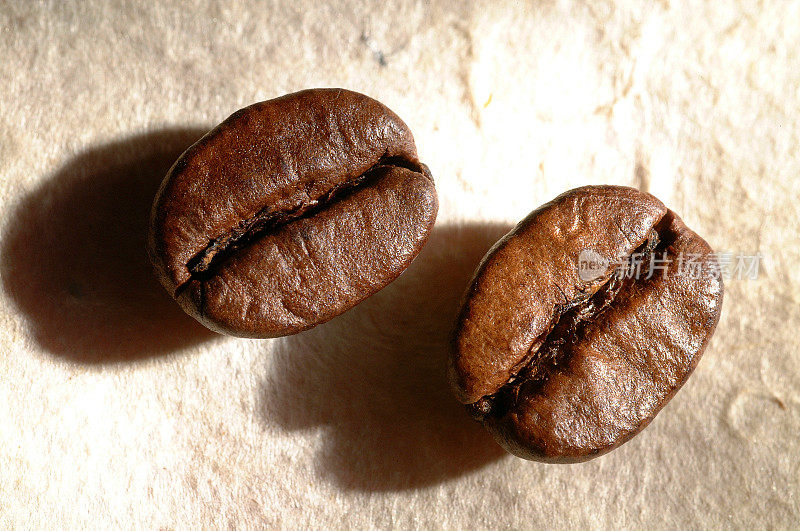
118 410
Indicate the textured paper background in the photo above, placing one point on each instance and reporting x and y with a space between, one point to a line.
117 410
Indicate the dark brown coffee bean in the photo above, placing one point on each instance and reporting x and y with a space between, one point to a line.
582 322
291 212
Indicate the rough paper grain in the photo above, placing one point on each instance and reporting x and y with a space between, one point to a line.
117 410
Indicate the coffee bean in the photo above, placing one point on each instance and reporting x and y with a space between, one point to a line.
290 212
582 322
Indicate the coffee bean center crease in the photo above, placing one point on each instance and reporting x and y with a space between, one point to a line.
553 347
269 219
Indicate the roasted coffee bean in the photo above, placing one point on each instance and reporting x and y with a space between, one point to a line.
290 212
582 322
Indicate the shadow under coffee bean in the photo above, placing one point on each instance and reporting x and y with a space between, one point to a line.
74 258
373 380
562 367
